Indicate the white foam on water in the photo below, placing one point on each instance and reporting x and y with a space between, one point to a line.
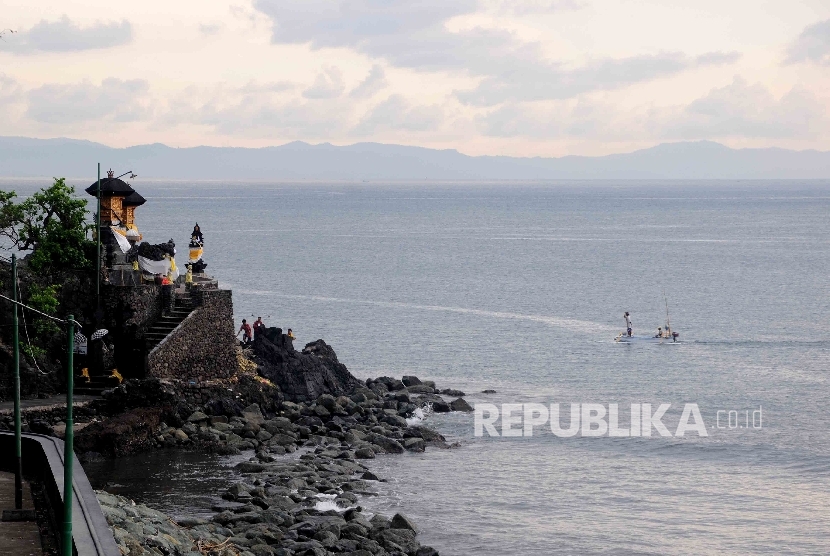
419 415
559 322
327 503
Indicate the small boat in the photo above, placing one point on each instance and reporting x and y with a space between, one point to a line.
624 338
665 336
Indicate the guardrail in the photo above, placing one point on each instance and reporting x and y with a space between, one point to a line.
43 461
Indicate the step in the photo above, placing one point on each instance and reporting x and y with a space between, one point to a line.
166 325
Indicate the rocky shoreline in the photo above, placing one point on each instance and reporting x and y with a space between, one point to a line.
308 422
300 493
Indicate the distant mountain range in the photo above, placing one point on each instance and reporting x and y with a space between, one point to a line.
24 157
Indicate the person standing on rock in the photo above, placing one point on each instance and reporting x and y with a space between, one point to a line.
246 328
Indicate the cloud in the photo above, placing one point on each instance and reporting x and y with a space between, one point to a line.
396 114
115 100
813 45
210 29
65 36
374 82
717 58
744 110
533 7
414 35
256 110
10 89
328 84
540 81
583 118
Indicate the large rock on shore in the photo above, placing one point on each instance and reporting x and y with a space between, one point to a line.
302 376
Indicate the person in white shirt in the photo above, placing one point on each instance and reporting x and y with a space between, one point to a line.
627 323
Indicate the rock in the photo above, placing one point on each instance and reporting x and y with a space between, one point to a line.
460 405
395 421
410 381
441 407
426 551
253 414
420 389
453 393
250 467
427 434
327 401
369 476
380 522
180 435
216 419
388 445
402 540
414 444
488 391
197 417
400 521
364 453
302 376
191 521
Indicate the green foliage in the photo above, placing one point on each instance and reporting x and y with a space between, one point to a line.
44 298
52 224
33 352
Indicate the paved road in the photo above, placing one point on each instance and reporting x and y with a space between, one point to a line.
46 403
21 538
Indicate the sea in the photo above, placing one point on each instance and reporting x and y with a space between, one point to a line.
520 288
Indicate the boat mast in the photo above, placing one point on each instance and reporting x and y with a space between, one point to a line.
668 322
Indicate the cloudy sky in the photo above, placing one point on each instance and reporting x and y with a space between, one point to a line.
522 78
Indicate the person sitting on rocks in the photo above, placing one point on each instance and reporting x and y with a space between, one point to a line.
259 327
291 335
246 328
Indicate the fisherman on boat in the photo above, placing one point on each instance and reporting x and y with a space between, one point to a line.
627 323
659 332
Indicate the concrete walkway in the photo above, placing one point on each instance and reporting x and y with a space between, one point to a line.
46 403
21 538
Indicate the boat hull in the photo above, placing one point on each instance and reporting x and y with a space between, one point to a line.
624 339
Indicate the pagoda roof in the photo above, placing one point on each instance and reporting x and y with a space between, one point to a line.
111 187
132 200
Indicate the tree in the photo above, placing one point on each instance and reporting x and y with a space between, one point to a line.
52 224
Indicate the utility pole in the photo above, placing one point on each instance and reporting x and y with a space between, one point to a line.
98 246
18 469
69 441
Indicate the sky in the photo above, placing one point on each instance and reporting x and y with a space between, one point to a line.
518 78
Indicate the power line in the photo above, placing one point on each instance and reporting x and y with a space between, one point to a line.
56 319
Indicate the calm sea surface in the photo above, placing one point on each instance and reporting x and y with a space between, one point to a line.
521 288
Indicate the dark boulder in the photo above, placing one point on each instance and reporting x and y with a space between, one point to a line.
460 405
302 376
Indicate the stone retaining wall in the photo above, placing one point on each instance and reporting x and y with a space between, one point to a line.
203 347
139 305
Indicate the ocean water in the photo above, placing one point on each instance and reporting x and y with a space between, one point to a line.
520 288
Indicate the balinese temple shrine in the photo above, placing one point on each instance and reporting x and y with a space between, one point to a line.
119 232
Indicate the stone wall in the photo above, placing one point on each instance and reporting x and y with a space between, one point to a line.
128 305
203 346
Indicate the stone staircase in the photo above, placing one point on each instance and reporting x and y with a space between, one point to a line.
155 334
95 386
167 323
